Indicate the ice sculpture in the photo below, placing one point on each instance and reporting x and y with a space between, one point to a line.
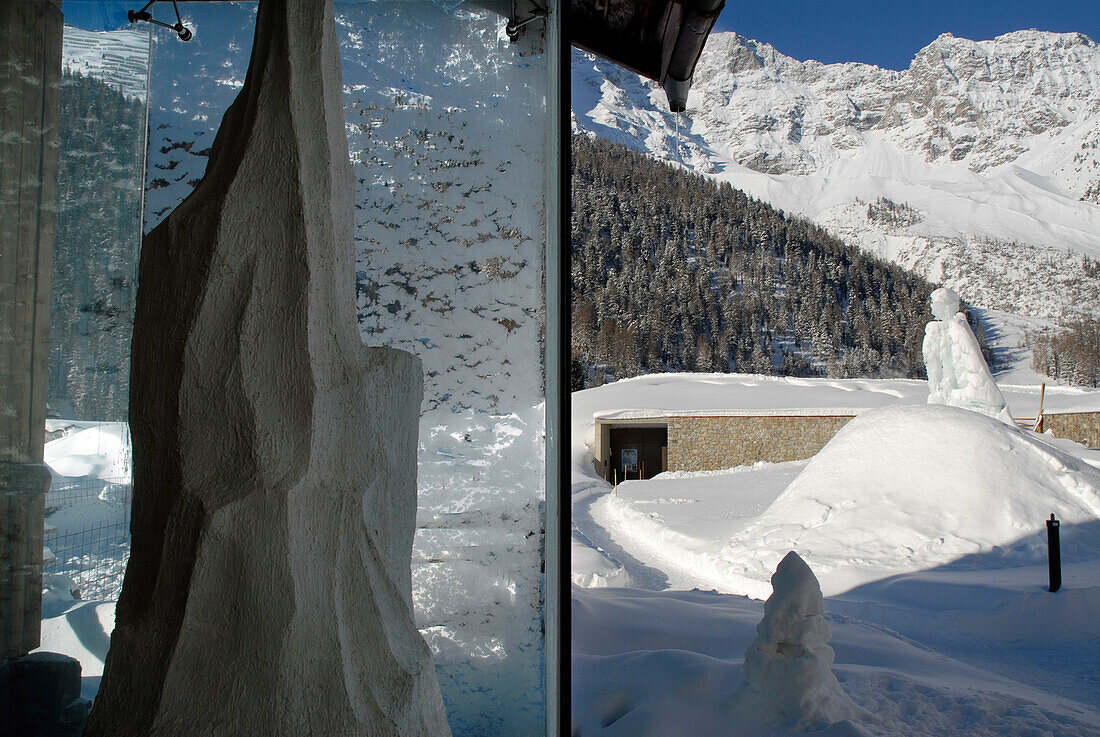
957 372
269 590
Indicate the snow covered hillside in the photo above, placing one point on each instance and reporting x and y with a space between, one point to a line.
977 166
119 58
925 526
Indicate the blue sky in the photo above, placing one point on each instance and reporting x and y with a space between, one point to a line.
883 32
889 33
108 15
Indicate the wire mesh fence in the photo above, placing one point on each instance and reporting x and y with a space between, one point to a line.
78 491
88 534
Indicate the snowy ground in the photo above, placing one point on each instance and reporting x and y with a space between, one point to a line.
476 538
925 527
87 507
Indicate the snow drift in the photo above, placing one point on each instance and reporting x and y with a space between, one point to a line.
89 449
907 488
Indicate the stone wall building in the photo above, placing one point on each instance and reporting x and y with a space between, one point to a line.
709 441
1080 427
640 444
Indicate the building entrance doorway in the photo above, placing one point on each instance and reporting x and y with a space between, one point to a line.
638 452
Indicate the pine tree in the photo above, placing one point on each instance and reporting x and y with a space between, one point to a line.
698 276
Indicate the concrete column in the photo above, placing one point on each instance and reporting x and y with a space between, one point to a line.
30 73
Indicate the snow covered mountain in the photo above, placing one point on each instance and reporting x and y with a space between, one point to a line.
981 103
119 58
977 166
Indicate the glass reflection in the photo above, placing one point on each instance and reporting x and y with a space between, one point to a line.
446 128
100 174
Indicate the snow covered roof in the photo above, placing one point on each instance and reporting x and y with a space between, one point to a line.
628 415
681 395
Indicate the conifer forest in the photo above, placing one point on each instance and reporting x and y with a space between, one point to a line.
674 272
99 185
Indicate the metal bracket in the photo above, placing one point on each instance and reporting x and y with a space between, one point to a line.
519 29
512 29
181 30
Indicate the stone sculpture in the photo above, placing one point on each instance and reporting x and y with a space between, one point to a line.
269 588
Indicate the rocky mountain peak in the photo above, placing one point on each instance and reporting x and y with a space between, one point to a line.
976 102
988 146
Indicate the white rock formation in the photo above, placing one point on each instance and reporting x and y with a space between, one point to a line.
957 372
787 675
269 590
978 103
992 144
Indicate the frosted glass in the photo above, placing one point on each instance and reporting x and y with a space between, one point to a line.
446 129
446 126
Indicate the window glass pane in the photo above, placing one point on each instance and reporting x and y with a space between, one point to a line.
192 85
100 173
446 127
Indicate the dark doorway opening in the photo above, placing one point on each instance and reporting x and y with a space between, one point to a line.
638 452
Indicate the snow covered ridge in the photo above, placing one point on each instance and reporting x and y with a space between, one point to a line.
992 149
119 58
982 103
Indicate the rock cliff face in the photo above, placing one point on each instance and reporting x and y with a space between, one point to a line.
978 165
982 103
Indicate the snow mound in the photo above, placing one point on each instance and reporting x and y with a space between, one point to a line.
89 449
595 569
787 671
910 488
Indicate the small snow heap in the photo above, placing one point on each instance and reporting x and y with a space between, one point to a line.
957 372
788 666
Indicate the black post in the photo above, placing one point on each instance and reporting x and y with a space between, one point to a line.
1055 554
